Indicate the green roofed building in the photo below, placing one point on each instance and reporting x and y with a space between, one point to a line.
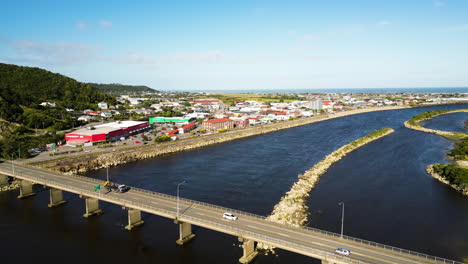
177 120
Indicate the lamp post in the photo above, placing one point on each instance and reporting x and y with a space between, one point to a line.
342 218
178 185
12 165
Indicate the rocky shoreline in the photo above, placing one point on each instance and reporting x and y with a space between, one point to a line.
433 131
292 209
83 163
435 175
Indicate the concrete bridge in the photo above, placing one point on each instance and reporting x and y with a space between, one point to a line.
249 228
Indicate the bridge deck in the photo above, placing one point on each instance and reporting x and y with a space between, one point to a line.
307 241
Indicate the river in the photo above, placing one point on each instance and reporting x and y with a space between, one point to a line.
387 194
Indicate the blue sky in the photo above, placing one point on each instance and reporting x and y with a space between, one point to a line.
242 45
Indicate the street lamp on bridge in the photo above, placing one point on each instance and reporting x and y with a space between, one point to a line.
178 185
342 218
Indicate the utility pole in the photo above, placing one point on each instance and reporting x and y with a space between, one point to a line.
342 218
178 185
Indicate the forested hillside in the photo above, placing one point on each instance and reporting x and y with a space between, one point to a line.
27 87
121 89
24 123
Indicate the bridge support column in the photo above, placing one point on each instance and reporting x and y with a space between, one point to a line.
249 251
185 232
92 207
134 218
26 189
56 198
3 179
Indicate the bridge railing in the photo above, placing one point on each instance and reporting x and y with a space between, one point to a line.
220 208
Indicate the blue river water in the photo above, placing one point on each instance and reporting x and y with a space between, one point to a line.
387 194
454 122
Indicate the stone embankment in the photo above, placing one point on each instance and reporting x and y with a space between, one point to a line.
12 186
292 208
430 170
83 163
433 131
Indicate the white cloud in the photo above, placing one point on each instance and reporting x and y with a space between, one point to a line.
384 23
105 23
47 53
438 3
81 26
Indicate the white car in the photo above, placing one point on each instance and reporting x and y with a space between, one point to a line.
229 216
343 251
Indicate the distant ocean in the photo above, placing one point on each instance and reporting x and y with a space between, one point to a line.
343 90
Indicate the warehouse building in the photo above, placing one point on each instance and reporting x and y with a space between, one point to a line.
106 132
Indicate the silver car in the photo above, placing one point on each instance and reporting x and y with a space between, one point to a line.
343 251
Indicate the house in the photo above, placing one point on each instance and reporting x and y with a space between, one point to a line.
106 114
187 128
48 104
102 105
86 118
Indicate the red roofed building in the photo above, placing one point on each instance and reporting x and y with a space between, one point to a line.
276 112
204 101
218 123
187 128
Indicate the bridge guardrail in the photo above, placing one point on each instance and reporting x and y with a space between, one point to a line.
315 230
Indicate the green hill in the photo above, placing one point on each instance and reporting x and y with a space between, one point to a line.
23 89
24 122
121 89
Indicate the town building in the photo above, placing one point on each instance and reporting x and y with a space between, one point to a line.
218 123
103 105
105 132
176 120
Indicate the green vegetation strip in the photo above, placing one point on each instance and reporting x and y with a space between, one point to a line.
292 208
414 123
456 177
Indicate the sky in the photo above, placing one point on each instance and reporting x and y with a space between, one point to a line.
242 45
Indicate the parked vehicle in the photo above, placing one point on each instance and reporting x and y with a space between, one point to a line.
343 251
229 216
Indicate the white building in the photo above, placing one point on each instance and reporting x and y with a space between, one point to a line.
102 105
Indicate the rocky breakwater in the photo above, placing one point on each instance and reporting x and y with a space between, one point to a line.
292 209
414 123
430 170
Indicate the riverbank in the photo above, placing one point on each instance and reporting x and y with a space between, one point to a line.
458 173
430 170
80 164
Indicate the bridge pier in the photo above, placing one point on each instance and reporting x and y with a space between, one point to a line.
92 207
249 251
134 218
3 179
185 232
56 197
25 189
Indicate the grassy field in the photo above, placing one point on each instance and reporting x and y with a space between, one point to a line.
229 98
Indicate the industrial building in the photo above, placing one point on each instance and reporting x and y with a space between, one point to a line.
105 132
